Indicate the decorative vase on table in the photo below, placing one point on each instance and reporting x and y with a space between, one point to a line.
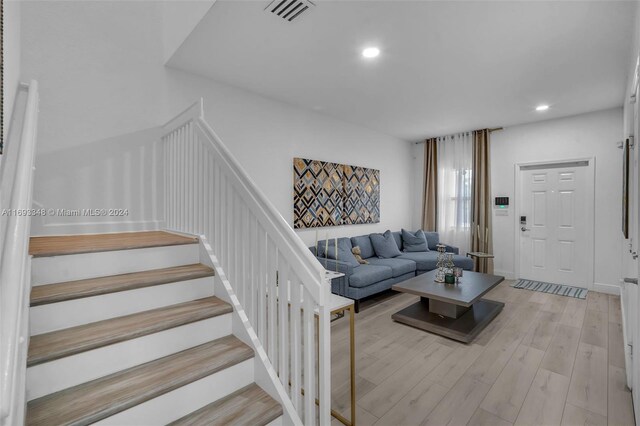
449 277
444 264
441 264
457 272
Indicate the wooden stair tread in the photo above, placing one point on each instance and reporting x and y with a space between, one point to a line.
95 400
61 343
250 405
76 244
59 292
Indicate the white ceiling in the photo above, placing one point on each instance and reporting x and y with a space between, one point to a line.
444 67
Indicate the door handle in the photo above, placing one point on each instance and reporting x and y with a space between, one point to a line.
524 229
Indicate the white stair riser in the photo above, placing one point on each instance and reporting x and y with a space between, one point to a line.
276 422
69 371
55 269
186 399
56 316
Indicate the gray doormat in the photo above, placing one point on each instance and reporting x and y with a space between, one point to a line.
561 290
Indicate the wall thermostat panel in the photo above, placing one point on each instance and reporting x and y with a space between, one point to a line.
502 202
501 206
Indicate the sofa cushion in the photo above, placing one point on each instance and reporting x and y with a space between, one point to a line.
366 275
331 246
398 266
463 262
426 261
433 239
344 253
336 265
364 242
385 245
414 241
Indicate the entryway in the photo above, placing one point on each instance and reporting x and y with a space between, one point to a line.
555 222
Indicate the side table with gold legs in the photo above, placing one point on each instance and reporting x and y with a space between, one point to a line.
479 257
338 306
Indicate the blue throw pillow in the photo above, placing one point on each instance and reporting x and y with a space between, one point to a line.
433 239
344 251
385 245
364 242
414 241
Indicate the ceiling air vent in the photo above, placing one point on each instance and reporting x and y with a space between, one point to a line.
289 9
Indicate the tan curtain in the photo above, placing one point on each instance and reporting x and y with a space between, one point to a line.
481 239
430 196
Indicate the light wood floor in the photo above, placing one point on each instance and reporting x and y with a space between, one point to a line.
545 360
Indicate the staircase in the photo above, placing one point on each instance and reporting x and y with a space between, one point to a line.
126 329
232 327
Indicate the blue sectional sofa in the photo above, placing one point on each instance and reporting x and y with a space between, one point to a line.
380 274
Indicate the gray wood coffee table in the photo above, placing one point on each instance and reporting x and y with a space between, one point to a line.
455 311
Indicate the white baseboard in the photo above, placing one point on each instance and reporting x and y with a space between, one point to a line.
508 275
277 422
60 228
606 288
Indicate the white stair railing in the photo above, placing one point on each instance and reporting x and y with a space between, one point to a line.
208 193
16 190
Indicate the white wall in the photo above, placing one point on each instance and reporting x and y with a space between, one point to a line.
99 67
633 57
628 293
11 52
630 265
265 136
121 172
101 91
588 135
179 19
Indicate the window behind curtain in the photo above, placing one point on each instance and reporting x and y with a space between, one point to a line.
460 201
455 158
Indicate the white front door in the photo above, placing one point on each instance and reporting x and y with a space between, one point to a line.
555 223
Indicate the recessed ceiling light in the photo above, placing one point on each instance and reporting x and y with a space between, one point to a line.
370 52
542 107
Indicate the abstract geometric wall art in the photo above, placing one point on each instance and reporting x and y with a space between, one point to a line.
362 195
330 194
318 193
